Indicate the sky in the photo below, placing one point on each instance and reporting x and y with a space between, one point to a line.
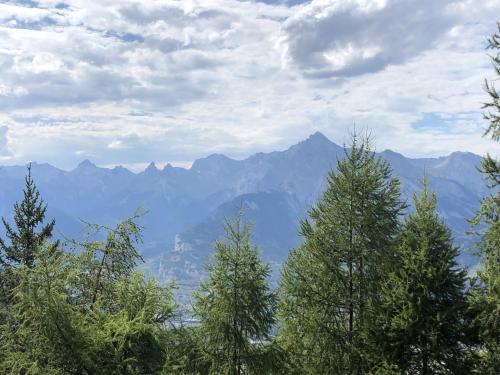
129 82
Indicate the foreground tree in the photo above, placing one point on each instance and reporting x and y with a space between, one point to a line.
89 312
19 248
485 297
331 284
236 307
424 297
23 239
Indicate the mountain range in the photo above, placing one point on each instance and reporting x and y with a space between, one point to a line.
187 206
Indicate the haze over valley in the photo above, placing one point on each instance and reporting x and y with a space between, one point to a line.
187 207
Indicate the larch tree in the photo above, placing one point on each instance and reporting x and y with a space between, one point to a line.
330 287
485 297
236 307
424 297
89 312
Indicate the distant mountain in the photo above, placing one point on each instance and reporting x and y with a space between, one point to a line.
187 206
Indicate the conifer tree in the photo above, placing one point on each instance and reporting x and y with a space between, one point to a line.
236 306
331 284
29 231
485 297
20 247
89 312
424 296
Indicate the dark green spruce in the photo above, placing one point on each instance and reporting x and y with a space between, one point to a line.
29 230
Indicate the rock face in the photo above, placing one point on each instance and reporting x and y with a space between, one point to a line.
187 206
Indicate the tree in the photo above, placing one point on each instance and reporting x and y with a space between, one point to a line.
485 297
23 239
235 306
424 296
89 311
330 285
29 231
187 357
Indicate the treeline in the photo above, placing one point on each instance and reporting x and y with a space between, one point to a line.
370 290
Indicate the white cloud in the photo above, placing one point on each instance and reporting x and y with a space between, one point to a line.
4 142
126 142
44 62
132 81
11 12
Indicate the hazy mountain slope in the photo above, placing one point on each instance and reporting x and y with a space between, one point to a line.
301 172
187 206
274 220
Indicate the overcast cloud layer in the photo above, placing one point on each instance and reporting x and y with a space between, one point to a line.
127 82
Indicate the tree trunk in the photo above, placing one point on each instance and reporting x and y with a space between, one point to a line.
425 361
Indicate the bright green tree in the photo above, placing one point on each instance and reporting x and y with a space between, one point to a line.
485 297
424 297
187 356
89 312
330 285
236 307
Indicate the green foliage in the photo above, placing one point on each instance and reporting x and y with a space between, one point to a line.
24 238
485 294
493 107
19 250
186 355
101 264
330 285
236 306
89 312
485 297
424 297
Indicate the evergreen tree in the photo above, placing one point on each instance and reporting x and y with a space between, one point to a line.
485 297
424 297
236 306
186 357
89 312
20 248
331 284
29 231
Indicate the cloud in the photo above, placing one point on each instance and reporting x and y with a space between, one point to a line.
342 38
131 81
91 55
43 62
4 146
126 142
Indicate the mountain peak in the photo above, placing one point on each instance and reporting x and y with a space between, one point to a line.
316 141
464 154
317 136
212 161
393 154
151 168
86 164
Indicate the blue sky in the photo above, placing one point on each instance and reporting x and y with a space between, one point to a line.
129 82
